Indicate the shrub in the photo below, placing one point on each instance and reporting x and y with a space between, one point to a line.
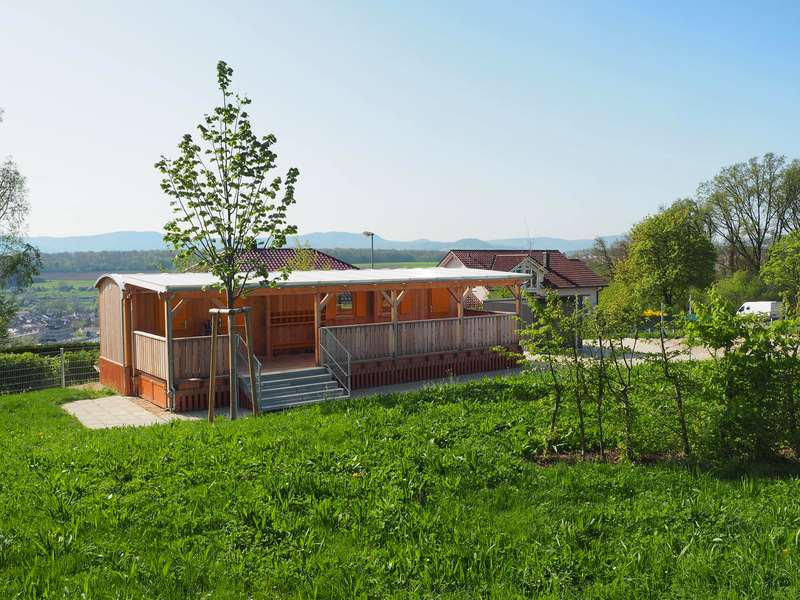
28 371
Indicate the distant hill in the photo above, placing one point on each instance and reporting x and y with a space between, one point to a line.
152 240
119 240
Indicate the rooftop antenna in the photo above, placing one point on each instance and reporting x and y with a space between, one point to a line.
528 235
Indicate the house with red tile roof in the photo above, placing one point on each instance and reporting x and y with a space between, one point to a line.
546 271
276 259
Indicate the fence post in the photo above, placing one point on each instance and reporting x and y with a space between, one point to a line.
63 374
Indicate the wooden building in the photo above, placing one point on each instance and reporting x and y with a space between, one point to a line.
366 327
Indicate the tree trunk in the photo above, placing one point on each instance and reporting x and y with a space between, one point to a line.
600 376
234 381
687 450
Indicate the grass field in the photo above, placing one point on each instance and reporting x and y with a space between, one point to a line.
50 287
433 494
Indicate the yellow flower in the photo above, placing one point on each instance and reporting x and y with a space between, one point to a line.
355 474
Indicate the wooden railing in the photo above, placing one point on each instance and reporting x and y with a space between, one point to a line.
488 331
150 354
375 341
427 337
191 357
365 341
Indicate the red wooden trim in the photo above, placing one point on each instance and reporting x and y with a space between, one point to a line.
115 376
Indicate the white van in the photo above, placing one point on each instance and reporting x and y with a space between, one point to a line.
767 309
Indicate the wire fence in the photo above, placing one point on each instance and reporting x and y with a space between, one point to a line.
29 372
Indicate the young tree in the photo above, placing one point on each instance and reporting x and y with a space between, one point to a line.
223 201
221 195
305 258
669 254
19 262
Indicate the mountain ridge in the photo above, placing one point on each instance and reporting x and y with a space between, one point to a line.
152 240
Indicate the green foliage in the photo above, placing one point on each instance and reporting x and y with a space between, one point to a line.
222 199
356 256
305 258
19 262
755 380
499 291
740 287
669 254
51 348
107 261
606 258
751 205
782 269
23 371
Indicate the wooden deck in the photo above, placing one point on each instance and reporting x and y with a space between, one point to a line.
285 364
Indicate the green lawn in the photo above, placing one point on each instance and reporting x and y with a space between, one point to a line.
428 495
50 289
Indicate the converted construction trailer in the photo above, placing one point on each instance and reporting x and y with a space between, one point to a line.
390 326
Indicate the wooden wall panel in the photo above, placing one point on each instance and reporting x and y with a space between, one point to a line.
291 324
110 310
115 376
258 323
146 309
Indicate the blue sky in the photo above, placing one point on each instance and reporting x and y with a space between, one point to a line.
438 120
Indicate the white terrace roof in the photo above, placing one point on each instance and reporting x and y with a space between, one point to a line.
184 282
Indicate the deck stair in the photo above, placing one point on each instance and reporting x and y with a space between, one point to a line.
297 388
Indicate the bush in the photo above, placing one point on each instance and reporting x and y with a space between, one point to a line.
29 372
25 372
79 366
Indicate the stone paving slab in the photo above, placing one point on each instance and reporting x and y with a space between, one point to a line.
111 411
123 411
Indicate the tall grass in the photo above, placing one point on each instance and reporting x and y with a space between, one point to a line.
426 495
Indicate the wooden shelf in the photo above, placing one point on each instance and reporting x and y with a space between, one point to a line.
279 319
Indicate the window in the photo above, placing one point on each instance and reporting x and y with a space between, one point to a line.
344 304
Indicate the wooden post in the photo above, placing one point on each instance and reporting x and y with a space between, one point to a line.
133 337
317 325
213 382
168 331
394 323
251 363
320 302
234 381
127 343
268 324
460 318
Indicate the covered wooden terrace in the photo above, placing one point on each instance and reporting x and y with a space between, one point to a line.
387 325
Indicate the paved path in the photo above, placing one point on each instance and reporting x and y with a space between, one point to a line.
112 411
122 411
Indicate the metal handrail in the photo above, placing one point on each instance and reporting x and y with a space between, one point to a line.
255 386
345 379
